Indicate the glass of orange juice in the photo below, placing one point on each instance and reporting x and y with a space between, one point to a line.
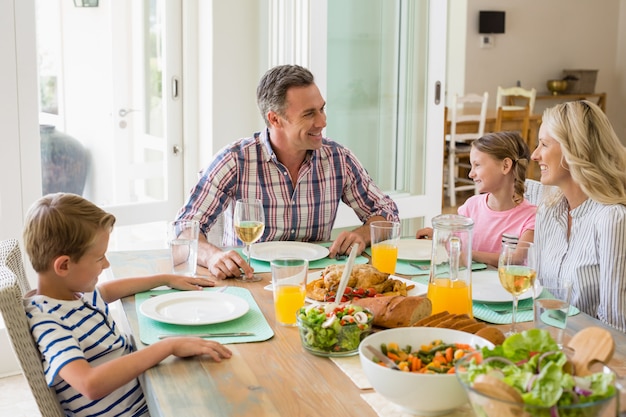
289 285
450 284
385 236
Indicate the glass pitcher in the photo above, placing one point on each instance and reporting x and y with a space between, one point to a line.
450 284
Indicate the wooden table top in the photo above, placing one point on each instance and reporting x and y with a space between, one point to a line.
272 378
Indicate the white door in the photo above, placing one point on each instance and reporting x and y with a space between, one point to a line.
381 66
110 77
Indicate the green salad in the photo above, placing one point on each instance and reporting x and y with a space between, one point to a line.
332 328
532 363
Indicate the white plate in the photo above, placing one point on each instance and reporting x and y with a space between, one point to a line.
266 251
194 307
486 288
415 249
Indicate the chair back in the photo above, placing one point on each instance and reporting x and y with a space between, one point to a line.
521 117
509 98
461 112
13 286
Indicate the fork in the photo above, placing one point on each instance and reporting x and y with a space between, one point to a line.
421 267
507 310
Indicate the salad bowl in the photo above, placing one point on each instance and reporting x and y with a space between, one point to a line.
333 330
528 375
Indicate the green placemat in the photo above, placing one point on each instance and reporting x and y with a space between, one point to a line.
253 321
485 311
262 266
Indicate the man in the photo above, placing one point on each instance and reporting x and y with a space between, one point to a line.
298 175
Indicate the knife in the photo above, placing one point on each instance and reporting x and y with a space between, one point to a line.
382 357
227 334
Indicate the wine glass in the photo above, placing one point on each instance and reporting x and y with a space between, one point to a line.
249 226
516 269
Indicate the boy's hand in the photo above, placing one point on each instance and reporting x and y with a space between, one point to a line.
183 347
182 282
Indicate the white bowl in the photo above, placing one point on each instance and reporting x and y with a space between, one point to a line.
423 394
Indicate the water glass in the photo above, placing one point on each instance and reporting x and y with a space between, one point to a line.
551 313
289 285
385 236
183 243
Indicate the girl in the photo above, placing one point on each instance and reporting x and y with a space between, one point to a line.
499 162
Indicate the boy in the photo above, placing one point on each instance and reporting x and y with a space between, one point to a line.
86 358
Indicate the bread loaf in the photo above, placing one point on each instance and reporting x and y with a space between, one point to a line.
396 311
463 323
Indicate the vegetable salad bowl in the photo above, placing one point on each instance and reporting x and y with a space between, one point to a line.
530 376
333 330
425 394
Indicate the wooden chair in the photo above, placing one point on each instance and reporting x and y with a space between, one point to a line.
516 98
458 144
521 118
13 286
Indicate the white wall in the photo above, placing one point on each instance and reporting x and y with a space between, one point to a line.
542 38
230 65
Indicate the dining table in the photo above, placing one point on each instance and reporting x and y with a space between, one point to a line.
272 377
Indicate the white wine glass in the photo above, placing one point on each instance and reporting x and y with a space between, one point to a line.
516 270
249 226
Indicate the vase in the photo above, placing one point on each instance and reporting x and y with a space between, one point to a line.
64 162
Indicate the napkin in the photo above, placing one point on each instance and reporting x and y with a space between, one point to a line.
253 321
386 408
485 311
263 266
351 366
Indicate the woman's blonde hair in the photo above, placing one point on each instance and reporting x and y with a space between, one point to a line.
62 224
502 145
594 154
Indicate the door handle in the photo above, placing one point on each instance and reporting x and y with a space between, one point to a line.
124 112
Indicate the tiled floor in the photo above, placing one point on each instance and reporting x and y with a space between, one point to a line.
16 399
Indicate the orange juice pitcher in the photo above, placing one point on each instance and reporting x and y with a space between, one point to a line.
450 284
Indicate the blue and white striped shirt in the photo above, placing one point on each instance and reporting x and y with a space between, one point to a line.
82 329
594 256
249 168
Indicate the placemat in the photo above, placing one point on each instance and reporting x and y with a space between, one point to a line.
351 366
485 311
253 321
385 408
262 266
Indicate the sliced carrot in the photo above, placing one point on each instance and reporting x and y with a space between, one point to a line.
449 354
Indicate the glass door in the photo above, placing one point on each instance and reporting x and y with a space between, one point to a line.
110 105
381 66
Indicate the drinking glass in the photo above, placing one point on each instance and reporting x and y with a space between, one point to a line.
249 226
385 236
516 269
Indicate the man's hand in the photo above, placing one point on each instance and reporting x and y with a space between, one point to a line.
344 242
229 264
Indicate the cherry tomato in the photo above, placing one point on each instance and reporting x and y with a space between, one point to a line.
359 291
347 291
371 291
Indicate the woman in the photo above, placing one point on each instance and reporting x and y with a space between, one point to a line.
580 230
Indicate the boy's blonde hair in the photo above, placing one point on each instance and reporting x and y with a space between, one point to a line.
62 224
